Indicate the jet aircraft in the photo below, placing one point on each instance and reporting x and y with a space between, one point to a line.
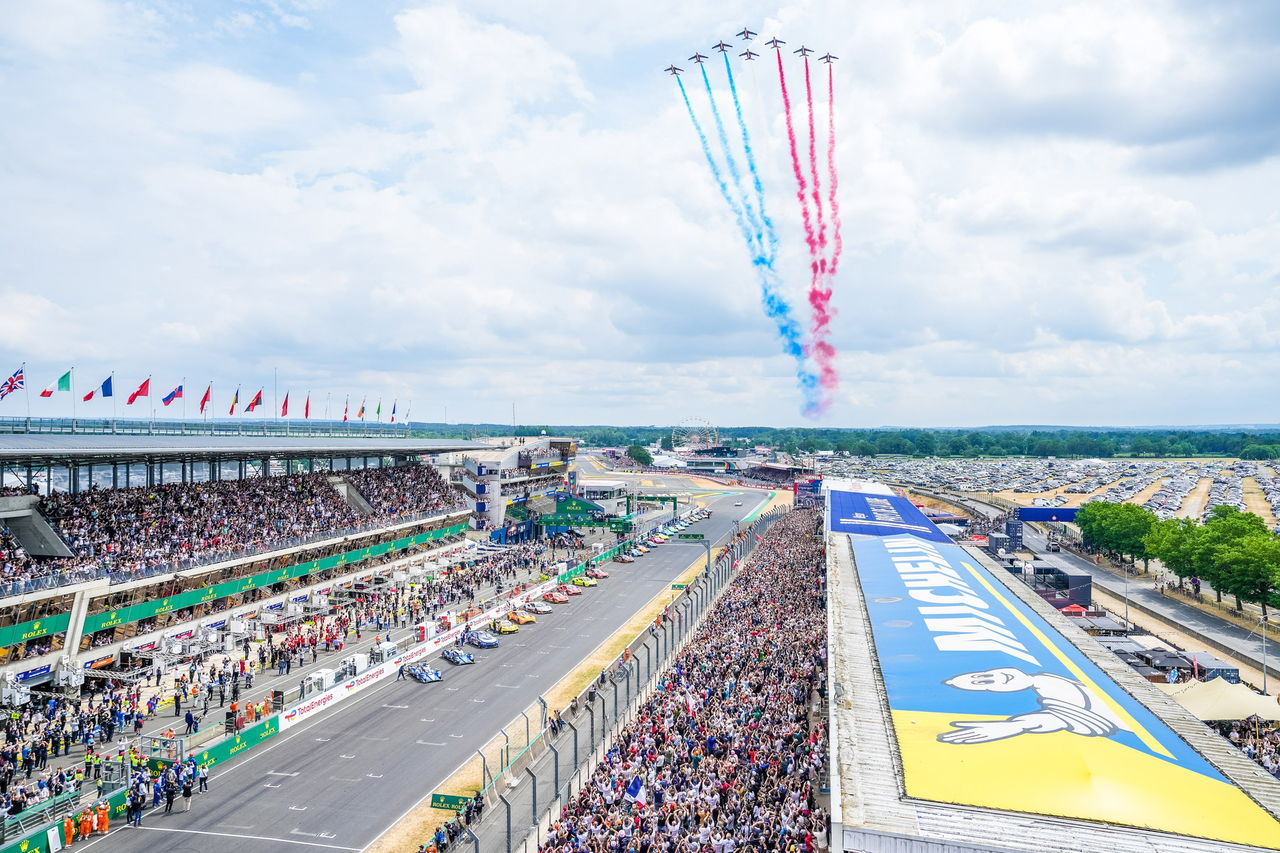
672 70
698 58
775 43
720 46
745 35
803 51
748 55
828 58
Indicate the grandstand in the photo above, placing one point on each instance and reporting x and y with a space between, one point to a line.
111 545
967 715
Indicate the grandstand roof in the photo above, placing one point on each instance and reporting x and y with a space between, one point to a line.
62 449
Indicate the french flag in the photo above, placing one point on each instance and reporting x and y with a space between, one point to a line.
636 792
172 395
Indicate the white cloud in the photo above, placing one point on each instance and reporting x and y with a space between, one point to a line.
475 204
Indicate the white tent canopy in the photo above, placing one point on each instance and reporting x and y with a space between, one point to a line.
1219 699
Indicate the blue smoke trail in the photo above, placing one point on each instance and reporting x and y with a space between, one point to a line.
775 305
770 233
756 236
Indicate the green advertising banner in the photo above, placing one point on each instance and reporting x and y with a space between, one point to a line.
228 748
24 631
147 609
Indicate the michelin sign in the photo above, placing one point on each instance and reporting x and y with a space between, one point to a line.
992 707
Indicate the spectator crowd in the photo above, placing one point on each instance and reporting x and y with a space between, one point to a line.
1259 740
727 753
129 531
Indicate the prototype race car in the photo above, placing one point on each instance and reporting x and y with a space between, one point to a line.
457 657
569 589
424 674
556 597
624 558
583 580
538 607
482 640
596 572
505 627
520 617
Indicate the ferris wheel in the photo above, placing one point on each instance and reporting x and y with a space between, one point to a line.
695 434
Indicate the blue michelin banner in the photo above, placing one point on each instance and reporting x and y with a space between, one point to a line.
993 707
880 515
1047 513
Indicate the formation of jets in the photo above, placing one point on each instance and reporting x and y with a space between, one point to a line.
748 54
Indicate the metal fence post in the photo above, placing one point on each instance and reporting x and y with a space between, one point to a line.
555 778
575 739
506 803
475 839
534 777
485 764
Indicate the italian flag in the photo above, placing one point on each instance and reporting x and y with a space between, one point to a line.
63 384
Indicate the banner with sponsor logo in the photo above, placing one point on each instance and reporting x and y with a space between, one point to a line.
879 515
993 707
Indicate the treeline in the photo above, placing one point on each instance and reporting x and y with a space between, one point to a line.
1232 551
920 442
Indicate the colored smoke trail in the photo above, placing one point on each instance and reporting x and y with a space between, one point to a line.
775 305
819 296
801 194
770 233
756 236
820 284
813 172
833 181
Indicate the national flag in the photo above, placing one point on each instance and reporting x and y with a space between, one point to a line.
144 390
255 402
360 414
235 399
103 390
284 407
63 384
378 413
16 382
208 395
636 792
393 411
346 407
306 407
175 394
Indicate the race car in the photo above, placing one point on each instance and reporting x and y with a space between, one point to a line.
538 607
555 597
643 549
521 617
597 573
505 627
423 674
482 640
457 657
569 589
583 580
624 558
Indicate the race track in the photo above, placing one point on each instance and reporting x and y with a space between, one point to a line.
340 781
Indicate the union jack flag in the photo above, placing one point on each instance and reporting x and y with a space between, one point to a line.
14 383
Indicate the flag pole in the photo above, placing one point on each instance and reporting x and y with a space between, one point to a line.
72 371
184 404
26 386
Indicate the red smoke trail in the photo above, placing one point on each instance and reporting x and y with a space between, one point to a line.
813 171
833 182
820 285
795 166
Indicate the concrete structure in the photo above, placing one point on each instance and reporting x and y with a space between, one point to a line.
514 471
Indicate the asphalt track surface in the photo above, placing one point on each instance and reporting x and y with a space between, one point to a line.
338 782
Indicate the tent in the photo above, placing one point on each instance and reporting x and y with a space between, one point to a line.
1219 699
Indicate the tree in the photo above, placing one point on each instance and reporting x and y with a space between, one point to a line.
1173 542
1223 529
1249 568
666 442
640 455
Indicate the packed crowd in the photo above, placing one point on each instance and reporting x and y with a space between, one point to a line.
1259 740
407 490
130 530
726 754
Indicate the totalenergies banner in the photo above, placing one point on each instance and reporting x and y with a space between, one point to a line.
994 708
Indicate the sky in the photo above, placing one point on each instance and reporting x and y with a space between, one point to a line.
1058 212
